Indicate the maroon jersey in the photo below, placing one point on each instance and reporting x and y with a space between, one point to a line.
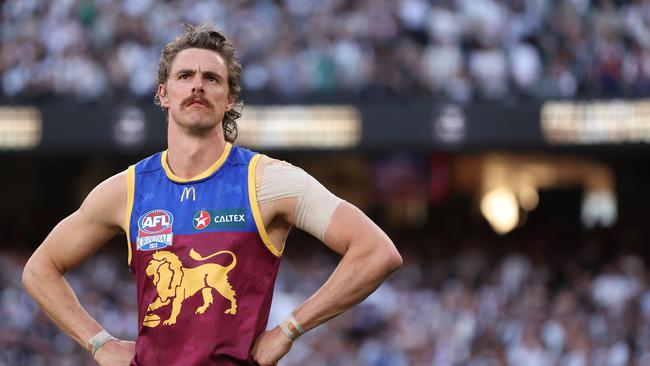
202 260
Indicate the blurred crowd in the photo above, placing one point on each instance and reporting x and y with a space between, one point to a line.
301 50
470 308
28 337
475 308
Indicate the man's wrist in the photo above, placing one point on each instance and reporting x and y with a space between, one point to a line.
291 328
98 341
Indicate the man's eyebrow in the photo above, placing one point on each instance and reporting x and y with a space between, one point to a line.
213 74
185 71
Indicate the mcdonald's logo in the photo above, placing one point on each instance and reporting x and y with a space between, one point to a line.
186 194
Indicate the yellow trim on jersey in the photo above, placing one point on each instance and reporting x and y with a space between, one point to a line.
255 208
213 168
130 190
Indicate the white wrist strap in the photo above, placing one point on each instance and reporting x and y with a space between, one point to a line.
287 331
98 340
291 328
296 325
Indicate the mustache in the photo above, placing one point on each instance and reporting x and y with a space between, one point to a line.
191 99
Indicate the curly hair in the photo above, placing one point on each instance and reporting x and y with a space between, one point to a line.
205 36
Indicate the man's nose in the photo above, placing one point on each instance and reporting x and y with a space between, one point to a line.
197 84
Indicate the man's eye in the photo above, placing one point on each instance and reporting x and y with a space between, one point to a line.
212 79
184 77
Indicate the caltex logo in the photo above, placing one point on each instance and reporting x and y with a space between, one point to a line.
201 220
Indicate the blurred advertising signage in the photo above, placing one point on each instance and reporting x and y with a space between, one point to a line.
130 127
288 127
20 128
450 125
600 122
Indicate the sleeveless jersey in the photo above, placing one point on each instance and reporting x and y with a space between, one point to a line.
202 260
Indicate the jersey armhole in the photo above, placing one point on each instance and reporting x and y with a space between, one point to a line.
255 209
130 190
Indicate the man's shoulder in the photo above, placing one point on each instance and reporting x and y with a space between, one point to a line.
107 201
267 161
242 155
150 163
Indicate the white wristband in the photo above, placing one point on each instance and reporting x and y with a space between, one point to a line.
296 325
287 331
291 328
98 340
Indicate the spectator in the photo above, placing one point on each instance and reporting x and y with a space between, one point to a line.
296 51
471 308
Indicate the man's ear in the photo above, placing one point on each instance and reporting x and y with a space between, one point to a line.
231 103
162 95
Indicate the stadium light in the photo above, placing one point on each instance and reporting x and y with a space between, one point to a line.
597 122
20 128
500 208
321 127
528 197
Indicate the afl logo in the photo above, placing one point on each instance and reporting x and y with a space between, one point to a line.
201 220
155 222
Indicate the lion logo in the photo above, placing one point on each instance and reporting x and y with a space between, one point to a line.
176 283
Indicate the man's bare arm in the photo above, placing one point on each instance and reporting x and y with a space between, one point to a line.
369 257
72 241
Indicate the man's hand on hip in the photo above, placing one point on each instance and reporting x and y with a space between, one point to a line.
270 347
116 353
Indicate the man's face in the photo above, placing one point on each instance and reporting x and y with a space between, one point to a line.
196 92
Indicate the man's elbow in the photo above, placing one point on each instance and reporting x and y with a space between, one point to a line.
34 273
28 276
395 261
391 260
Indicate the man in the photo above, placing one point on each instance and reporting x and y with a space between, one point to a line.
206 223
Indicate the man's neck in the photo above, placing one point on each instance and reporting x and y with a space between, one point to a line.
188 155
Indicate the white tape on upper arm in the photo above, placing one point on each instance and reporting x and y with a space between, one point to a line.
281 181
315 204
